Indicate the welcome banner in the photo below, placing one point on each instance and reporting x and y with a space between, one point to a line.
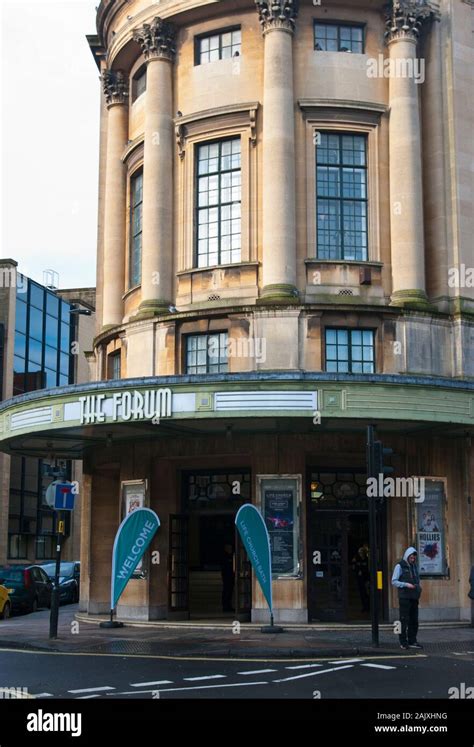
131 542
249 521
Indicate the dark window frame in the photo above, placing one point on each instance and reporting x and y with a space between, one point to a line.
112 358
206 335
341 200
217 32
219 206
350 331
138 173
338 24
138 76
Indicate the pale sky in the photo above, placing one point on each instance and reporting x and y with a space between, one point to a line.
50 135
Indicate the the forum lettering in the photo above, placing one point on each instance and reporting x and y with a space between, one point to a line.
147 405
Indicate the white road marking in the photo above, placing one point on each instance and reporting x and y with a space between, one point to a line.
259 671
312 674
305 666
87 697
145 684
344 661
43 695
377 666
198 687
207 677
91 690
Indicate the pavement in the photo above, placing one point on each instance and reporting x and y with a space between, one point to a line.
80 633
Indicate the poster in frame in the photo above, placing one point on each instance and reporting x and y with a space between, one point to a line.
135 495
279 499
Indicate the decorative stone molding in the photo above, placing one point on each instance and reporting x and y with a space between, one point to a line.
157 39
233 115
115 84
404 18
277 14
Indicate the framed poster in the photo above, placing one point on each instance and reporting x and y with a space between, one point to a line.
280 499
430 526
135 495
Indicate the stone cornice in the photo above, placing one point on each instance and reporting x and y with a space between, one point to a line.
404 18
277 14
157 39
116 86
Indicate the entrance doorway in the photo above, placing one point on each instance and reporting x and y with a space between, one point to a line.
338 532
210 575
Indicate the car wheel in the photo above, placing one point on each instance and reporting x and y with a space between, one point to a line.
6 611
34 605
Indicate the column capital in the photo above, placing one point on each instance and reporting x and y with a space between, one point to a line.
115 84
277 14
404 19
157 39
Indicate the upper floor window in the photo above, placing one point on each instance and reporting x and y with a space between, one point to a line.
207 353
139 84
341 190
335 37
218 199
136 204
350 351
114 365
219 46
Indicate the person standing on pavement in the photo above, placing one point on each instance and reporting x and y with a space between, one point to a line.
470 594
407 580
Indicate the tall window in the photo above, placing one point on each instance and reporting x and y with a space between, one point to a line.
335 37
136 203
207 353
218 203
139 84
114 365
341 187
350 351
220 46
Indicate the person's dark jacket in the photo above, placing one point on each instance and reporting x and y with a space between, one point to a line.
407 573
471 582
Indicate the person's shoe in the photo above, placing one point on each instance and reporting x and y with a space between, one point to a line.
414 645
404 646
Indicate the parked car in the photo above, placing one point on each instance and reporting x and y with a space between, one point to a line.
69 577
5 604
29 587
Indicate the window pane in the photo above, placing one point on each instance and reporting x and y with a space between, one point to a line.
64 363
36 295
34 352
65 333
50 357
51 335
20 321
52 304
20 344
36 323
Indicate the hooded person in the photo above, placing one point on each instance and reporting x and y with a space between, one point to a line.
407 580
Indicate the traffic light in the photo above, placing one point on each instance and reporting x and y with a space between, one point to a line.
381 453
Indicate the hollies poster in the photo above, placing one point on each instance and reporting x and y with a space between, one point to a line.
279 502
430 530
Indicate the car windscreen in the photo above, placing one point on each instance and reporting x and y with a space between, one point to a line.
67 569
11 575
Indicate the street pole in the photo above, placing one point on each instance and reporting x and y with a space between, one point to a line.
371 470
54 616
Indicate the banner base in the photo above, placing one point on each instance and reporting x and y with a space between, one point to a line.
272 629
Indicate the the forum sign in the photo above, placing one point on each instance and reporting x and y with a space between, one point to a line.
151 404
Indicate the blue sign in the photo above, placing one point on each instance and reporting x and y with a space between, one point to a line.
249 521
64 497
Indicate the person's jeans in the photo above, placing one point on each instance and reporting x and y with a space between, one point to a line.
409 621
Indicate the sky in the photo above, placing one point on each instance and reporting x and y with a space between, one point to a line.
49 123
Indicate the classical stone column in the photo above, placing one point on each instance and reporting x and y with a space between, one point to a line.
404 20
116 95
277 18
158 44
